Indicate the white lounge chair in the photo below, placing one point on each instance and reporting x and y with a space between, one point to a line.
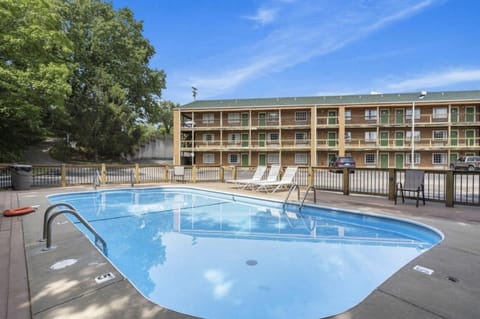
271 177
257 176
286 181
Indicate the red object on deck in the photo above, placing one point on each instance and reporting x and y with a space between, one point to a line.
18 211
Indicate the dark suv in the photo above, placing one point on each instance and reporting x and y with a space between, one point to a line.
342 162
469 163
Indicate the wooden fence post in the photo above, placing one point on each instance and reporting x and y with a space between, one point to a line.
64 175
104 174
449 189
392 182
137 174
346 181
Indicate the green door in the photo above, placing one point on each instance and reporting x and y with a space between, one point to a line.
384 117
244 139
384 160
262 119
453 157
454 138
470 137
262 159
245 119
470 114
261 139
454 115
398 160
383 139
332 139
399 116
399 139
332 117
244 159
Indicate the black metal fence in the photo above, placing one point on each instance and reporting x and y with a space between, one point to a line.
460 187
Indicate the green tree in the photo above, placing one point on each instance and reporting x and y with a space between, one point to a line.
34 70
164 115
114 91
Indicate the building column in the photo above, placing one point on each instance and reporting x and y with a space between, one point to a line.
176 137
341 131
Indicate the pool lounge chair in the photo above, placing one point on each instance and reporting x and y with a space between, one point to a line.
257 176
271 177
286 181
414 183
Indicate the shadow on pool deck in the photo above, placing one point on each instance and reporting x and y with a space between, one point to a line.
452 291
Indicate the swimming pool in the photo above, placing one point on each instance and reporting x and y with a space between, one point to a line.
218 255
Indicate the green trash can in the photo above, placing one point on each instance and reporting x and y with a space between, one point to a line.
22 177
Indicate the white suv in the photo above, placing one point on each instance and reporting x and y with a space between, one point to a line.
470 163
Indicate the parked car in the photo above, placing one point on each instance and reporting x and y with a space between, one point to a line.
339 163
470 163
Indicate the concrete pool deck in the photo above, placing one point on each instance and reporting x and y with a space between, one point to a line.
61 282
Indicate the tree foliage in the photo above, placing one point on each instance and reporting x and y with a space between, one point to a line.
164 116
34 53
114 91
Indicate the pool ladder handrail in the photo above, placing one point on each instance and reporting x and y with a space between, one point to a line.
132 178
49 220
296 186
293 187
311 187
97 179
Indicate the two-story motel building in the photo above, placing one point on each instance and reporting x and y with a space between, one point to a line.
378 130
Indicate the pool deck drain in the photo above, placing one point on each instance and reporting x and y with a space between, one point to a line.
451 291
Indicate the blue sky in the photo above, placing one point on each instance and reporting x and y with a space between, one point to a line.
280 48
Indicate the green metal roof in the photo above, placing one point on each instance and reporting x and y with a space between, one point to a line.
454 96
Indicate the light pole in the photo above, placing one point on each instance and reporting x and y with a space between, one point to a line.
412 156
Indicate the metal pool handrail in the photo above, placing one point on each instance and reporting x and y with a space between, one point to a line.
46 215
85 223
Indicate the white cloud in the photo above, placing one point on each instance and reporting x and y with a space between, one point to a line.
221 286
439 79
263 16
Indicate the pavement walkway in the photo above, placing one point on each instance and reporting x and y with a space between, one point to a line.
452 291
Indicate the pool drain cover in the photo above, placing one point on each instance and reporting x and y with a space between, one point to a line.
251 262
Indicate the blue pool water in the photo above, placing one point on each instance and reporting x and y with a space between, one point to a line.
215 255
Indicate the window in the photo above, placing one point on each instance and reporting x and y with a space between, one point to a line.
370 137
416 135
208 138
439 135
416 157
439 158
370 158
301 158
301 116
272 117
233 118
233 159
348 115
440 113
370 115
300 138
208 158
234 138
273 138
273 158
208 118
348 137
408 114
